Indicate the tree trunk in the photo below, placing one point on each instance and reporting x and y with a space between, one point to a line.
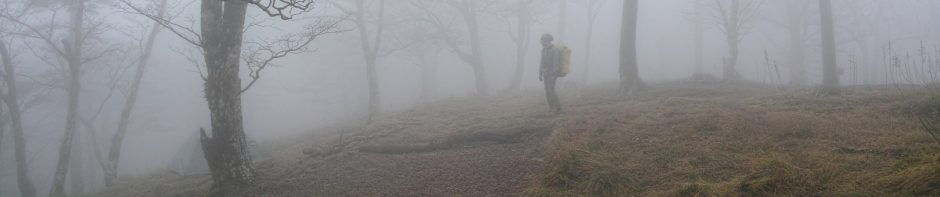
562 20
19 144
76 167
114 152
796 55
733 38
226 150
629 74
592 18
73 54
428 70
479 72
699 39
523 21
830 85
370 53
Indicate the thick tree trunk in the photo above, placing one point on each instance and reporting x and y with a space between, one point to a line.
19 144
830 85
629 73
226 150
114 153
74 53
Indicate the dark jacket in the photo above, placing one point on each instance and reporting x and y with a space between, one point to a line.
551 61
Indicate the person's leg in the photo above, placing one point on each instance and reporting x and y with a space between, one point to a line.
553 94
549 91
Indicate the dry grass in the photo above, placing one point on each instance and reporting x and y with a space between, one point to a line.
687 140
705 138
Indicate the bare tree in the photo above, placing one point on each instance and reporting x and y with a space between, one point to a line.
798 31
593 9
71 50
830 69
10 97
519 16
110 167
370 43
220 36
629 73
733 18
699 38
467 10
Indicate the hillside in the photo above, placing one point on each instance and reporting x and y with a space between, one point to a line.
677 139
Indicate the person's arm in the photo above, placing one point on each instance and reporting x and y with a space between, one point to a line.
555 60
542 66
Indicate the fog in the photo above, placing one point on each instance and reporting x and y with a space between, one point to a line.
878 42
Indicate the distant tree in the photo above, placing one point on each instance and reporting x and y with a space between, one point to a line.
733 18
593 9
629 73
699 37
11 99
830 85
798 36
562 20
431 13
110 167
365 16
520 16
69 47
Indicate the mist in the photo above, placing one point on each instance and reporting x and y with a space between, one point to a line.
363 72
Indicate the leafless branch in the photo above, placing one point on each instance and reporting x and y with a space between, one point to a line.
187 33
285 9
260 54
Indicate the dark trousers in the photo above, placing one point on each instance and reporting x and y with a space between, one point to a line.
550 93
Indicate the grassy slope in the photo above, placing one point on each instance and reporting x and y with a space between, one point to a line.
679 139
699 141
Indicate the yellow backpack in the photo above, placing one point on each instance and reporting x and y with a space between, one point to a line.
565 60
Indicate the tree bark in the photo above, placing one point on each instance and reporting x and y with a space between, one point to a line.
19 144
114 152
830 70
226 150
629 74
73 54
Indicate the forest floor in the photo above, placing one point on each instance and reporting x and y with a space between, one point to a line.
676 139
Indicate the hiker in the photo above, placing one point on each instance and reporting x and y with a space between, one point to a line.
550 71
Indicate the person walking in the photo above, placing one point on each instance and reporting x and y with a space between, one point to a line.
550 71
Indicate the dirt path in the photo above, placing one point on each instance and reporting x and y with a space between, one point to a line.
483 169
